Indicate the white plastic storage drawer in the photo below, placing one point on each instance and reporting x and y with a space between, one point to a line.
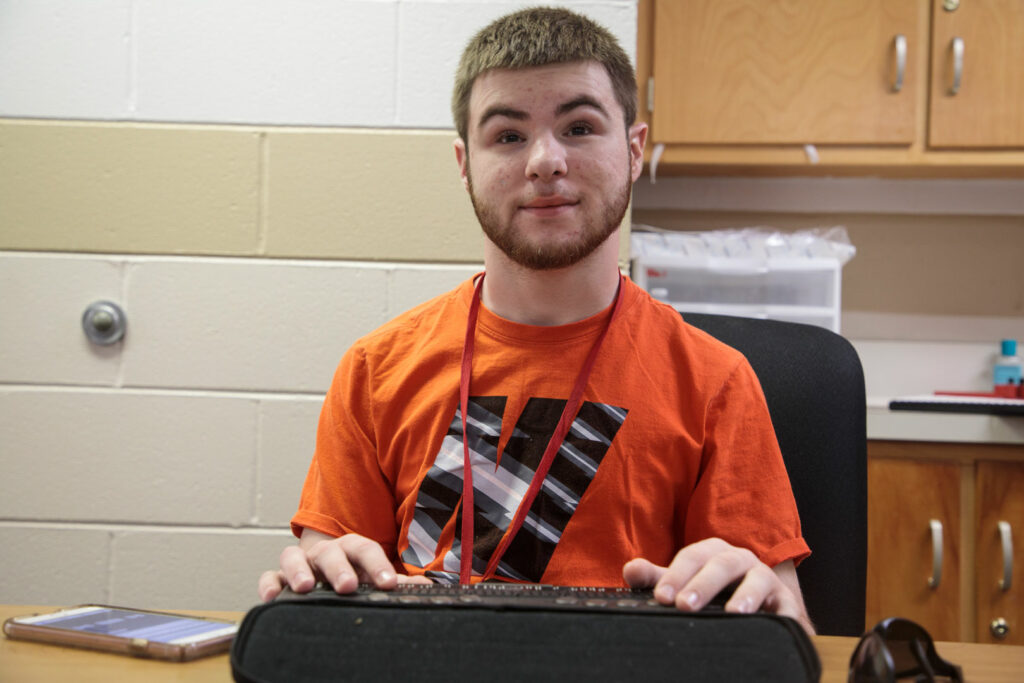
799 291
762 275
791 284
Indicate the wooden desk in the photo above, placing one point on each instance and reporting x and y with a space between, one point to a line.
27 662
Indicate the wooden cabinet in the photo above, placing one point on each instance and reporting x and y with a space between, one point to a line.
905 498
999 592
750 71
937 552
834 87
977 75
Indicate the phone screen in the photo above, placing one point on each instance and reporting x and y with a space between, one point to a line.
158 628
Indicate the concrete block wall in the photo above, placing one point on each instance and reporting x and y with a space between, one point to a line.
257 184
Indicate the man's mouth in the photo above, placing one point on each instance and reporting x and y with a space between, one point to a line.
549 205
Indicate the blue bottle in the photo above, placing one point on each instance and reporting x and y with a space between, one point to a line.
1007 369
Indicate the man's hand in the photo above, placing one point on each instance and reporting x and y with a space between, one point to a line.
700 570
342 562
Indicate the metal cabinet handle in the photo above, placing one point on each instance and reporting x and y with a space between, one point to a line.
1006 540
900 44
958 64
936 578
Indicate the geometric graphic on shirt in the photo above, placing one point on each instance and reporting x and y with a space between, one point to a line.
441 489
499 485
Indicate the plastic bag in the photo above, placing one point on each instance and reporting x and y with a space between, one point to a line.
758 244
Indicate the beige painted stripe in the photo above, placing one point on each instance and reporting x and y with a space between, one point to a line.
381 194
233 190
69 186
372 194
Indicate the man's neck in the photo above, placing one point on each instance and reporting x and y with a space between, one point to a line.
550 297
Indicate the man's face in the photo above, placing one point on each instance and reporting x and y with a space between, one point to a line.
549 164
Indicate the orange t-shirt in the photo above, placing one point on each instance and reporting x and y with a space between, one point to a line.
673 444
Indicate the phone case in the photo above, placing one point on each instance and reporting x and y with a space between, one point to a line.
136 647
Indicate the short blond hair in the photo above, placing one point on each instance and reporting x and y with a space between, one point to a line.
540 36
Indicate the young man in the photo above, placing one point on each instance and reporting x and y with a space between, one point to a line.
608 442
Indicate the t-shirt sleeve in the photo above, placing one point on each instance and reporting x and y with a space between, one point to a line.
345 490
743 494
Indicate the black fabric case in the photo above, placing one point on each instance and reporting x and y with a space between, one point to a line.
326 637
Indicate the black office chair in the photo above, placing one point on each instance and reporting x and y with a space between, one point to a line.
814 384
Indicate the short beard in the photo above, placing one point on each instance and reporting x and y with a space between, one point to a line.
545 257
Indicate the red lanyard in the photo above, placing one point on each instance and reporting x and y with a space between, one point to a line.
572 407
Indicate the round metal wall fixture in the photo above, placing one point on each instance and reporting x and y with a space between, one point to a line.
104 323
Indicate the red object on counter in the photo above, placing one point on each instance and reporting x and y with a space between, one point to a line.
1000 391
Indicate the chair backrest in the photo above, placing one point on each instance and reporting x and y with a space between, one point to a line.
814 385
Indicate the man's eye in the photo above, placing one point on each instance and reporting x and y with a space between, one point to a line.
581 128
509 137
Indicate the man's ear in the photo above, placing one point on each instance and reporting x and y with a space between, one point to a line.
462 157
637 139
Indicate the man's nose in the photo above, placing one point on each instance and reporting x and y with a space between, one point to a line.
547 158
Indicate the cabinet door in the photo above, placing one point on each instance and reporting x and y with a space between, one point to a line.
904 497
999 497
988 109
783 71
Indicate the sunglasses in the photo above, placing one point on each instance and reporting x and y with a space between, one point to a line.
898 648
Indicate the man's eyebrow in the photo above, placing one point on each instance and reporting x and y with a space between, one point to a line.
520 115
502 110
581 101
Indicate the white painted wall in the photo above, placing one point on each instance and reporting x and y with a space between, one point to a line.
174 458
376 63
162 472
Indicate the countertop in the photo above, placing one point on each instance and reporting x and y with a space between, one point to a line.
906 425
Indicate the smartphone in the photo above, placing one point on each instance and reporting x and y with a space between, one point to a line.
142 633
